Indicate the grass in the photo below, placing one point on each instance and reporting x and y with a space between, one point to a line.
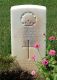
5 29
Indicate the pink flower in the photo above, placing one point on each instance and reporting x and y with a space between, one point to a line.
36 45
33 72
52 38
52 52
45 62
34 57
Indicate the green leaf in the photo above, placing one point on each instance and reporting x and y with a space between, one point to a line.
49 47
55 77
47 78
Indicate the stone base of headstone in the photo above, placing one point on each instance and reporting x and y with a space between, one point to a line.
27 65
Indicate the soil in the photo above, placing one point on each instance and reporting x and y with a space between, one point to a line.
16 75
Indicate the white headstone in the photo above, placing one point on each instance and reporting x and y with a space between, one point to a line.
28 26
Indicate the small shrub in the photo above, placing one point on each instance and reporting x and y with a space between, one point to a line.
10 70
47 66
6 62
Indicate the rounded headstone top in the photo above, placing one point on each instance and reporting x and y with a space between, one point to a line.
28 6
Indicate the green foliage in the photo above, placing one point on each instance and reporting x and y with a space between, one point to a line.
47 78
55 76
48 72
6 62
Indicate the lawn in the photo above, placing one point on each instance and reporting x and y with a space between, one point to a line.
5 28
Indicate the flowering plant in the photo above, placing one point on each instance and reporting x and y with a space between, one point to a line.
47 66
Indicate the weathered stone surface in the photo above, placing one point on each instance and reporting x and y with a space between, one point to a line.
29 29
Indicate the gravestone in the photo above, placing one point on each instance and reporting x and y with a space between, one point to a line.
28 26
